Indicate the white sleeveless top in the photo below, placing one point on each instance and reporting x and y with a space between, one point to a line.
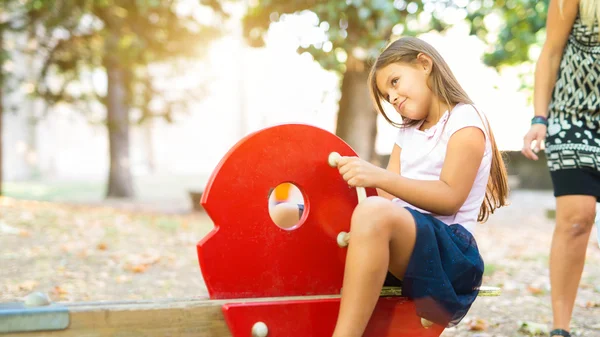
423 153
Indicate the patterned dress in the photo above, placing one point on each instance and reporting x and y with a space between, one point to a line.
573 136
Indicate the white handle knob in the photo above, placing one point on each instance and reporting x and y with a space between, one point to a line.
343 239
259 329
333 159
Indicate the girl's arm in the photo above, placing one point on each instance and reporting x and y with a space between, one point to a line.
558 28
393 167
446 195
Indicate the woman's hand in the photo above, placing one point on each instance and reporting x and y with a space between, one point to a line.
360 173
536 133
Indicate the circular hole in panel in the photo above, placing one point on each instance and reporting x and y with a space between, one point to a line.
286 205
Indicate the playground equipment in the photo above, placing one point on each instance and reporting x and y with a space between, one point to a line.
262 280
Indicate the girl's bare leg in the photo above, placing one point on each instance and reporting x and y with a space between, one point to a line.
285 214
379 229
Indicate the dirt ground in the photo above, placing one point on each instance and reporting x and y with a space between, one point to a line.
82 253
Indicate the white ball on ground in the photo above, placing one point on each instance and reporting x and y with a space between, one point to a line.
36 299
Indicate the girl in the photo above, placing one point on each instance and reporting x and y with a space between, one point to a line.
444 175
567 117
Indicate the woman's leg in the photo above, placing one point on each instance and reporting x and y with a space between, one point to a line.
597 221
382 237
574 221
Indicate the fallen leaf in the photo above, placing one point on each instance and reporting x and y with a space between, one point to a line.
535 290
591 304
102 246
140 268
533 329
25 234
59 292
478 325
28 285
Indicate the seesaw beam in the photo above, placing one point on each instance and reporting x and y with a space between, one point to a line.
186 317
171 317
176 318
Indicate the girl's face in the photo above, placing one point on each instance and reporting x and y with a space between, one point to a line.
405 86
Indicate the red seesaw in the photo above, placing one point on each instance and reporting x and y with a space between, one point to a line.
262 280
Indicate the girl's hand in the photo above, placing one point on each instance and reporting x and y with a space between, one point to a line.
537 133
360 173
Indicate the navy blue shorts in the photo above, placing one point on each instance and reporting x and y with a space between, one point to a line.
444 272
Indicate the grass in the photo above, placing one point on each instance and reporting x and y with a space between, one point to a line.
163 193
53 191
490 269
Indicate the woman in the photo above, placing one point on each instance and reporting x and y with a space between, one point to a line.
567 116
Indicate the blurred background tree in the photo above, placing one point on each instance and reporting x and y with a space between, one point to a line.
14 17
4 24
121 39
358 30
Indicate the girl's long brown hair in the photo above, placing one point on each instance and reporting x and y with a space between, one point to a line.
444 85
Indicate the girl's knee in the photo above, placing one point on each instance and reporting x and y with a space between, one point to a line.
370 208
374 216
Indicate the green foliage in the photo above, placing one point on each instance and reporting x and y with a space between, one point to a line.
78 37
357 27
522 26
363 27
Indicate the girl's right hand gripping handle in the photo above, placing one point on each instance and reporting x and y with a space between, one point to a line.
343 238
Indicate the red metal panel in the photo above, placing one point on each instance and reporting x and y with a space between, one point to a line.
247 255
393 317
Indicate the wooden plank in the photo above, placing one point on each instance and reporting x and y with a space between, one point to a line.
177 319
171 317
168 317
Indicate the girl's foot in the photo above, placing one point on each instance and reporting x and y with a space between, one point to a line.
559 332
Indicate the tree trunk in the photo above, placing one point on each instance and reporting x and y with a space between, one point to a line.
357 119
1 131
1 105
120 183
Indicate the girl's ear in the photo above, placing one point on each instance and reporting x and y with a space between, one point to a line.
425 62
